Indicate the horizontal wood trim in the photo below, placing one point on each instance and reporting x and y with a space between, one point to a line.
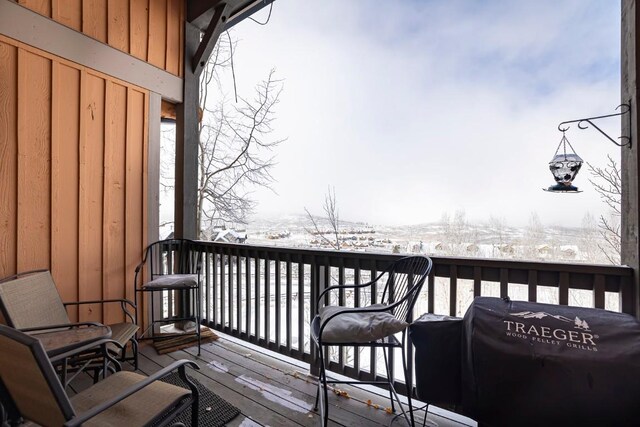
35 30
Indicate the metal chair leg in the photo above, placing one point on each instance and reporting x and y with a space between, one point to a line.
322 383
198 318
389 378
408 380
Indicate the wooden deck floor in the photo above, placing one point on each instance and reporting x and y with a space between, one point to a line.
272 392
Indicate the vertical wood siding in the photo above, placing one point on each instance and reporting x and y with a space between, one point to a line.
72 176
8 157
150 30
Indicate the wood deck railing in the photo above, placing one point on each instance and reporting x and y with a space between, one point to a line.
266 295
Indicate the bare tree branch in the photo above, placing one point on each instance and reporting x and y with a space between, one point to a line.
235 143
607 182
330 207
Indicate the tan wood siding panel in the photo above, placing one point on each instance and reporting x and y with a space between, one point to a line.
139 28
68 12
118 31
43 7
135 195
94 19
91 193
157 32
72 175
65 140
182 15
151 30
145 201
8 157
173 36
114 200
34 147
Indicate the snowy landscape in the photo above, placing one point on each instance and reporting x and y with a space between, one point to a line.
449 237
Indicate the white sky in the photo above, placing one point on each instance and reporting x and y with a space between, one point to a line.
415 108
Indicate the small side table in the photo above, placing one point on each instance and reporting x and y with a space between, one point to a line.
82 344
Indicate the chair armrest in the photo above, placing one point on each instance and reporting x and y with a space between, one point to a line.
123 302
336 287
179 364
101 301
80 349
350 286
63 326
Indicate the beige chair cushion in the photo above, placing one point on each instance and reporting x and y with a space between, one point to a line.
358 327
138 409
172 281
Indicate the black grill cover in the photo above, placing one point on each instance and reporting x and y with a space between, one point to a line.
438 344
528 364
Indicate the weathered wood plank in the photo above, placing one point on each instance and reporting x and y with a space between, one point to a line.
68 12
226 388
118 24
174 42
65 182
134 207
148 152
285 376
92 124
182 18
139 28
34 169
157 33
8 158
113 232
43 7
224 361
94 19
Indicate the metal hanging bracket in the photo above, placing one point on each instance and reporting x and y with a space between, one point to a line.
588 121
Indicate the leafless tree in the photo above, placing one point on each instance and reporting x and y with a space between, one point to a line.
332 218
608 183
236 143
533 237
235 155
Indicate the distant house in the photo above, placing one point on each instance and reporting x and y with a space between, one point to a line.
569 251
472 248
230 236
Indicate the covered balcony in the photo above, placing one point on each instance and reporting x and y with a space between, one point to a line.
80 111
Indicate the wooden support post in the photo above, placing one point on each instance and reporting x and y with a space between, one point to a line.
630 157
186 186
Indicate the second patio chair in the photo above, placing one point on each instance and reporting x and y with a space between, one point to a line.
374 326
30 301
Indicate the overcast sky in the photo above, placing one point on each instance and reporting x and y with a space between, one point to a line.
415 108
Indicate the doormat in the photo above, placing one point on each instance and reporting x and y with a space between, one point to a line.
168 345
213 411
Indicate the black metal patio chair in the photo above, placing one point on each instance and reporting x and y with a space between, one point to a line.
374 326
172 269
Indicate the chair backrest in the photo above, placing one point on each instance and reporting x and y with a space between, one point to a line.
172 256
30 379
404 280
30 300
